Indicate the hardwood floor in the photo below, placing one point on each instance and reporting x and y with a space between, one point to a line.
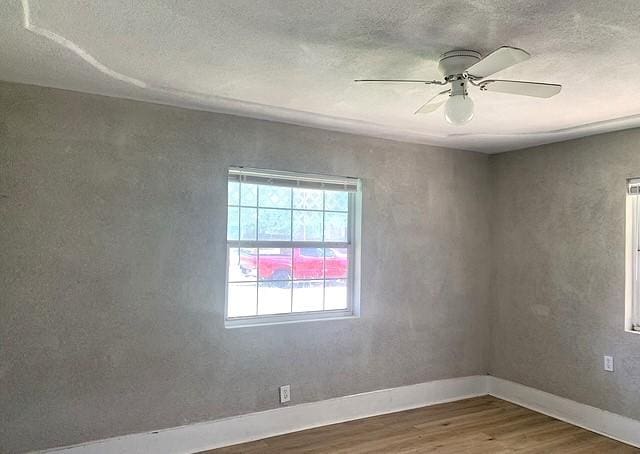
479 425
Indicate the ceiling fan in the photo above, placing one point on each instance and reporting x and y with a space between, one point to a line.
462 68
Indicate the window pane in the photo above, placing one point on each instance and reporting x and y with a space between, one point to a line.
335 226
335 294
248 223
233 225
274 224
274 299
274 197
307 296
248 194
233 193
336 263
336 201
308 263
307 225
242 264
241 299
308 199
275 265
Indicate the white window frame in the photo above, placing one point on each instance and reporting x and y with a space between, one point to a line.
632 255
353 244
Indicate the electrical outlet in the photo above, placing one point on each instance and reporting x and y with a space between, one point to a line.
285 394
608 363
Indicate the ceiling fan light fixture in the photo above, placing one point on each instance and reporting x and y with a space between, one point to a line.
458 109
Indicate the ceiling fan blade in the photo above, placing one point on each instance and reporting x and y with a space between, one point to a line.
499 59
398 81
433 103
517 87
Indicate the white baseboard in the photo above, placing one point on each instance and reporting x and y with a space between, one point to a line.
612 425
254 426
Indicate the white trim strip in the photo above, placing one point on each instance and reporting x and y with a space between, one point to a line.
255 426
290 317
605 423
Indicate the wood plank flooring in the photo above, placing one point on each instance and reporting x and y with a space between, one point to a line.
479 425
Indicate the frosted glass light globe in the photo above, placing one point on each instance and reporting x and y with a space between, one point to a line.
458 109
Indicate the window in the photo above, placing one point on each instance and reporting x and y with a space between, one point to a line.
292 247
632 313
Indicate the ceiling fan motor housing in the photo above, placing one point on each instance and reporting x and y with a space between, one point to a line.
455 62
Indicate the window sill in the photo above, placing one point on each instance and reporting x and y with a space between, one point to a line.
286 319
628 330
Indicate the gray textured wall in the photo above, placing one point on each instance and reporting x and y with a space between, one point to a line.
112 271
558 270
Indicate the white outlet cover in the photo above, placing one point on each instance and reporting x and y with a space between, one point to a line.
285 394
608 363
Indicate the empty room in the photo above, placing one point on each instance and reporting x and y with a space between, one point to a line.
319 226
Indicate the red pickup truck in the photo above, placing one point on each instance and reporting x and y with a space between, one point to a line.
275 264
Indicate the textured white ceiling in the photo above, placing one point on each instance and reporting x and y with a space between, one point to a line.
295 60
